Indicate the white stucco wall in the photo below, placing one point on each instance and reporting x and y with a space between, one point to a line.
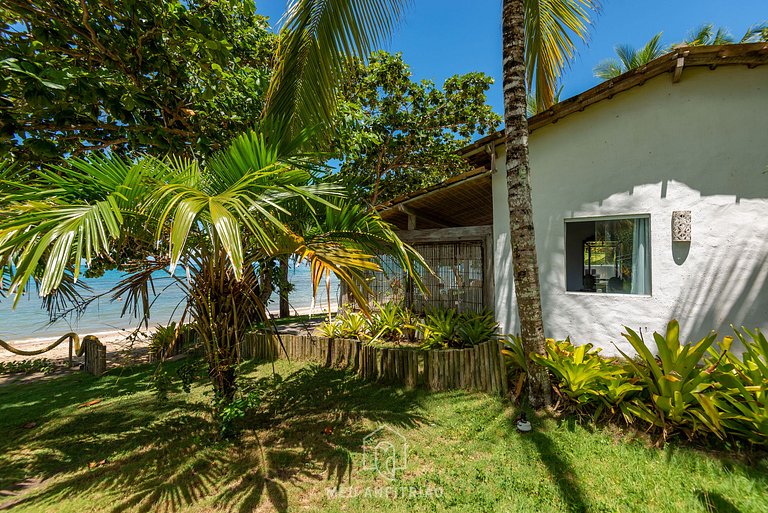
699 145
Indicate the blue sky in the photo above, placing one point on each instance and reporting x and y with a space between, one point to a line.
440 38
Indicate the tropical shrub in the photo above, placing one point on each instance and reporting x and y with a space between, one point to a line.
584 380
388 322
439 328
516 361
514 353
580 371
29 366
678 390
353 325
446 328
163 341
330 328
742 396
476 328
170 340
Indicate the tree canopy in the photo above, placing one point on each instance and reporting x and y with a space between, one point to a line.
218 217
396 135
159 77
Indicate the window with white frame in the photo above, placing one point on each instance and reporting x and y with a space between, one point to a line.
608 255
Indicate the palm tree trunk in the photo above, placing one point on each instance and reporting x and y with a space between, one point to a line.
285 307
522 237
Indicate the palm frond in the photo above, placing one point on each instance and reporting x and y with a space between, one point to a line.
650 51
551 28
756 33
707 35
608 69
350 241
629 58
317 40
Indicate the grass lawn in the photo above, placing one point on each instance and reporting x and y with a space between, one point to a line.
303 451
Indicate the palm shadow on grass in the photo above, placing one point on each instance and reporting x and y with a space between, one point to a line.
713 502
561 472
165 455
545 448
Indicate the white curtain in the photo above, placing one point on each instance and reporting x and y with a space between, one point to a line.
641 270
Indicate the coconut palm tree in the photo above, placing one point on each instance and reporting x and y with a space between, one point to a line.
538 41
219 220
629 58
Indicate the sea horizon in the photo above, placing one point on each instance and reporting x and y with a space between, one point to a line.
29 321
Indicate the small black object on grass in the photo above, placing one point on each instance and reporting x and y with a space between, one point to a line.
523 425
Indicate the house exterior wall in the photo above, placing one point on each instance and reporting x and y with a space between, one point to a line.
698 145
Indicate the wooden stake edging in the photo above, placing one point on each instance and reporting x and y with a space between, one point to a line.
478 368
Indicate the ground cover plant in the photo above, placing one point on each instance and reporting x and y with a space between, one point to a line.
79 444
28 366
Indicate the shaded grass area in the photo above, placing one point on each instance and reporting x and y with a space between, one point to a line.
302 450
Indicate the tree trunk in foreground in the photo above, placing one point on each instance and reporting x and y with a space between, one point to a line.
285 308
526 269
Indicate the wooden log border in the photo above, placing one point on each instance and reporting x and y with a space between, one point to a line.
479 368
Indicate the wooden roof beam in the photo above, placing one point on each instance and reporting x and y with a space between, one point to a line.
414 214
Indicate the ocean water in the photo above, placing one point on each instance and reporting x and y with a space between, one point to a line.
29 320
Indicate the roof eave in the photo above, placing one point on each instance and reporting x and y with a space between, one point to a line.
749 54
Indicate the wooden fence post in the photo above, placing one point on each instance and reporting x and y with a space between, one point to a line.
95 356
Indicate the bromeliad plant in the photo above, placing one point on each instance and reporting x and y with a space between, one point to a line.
390 322
580 369
724 394
354 325
742 395
679 389
446 328
586 381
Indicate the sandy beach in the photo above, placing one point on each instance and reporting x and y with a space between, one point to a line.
123 347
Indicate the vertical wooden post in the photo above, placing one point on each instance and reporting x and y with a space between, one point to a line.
491 368
493 353
95 356
443 355
433 369
483 371
464 369
494 367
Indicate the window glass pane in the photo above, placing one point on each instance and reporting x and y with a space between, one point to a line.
608 256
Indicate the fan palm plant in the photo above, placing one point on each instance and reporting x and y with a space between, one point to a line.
217 221
629 58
